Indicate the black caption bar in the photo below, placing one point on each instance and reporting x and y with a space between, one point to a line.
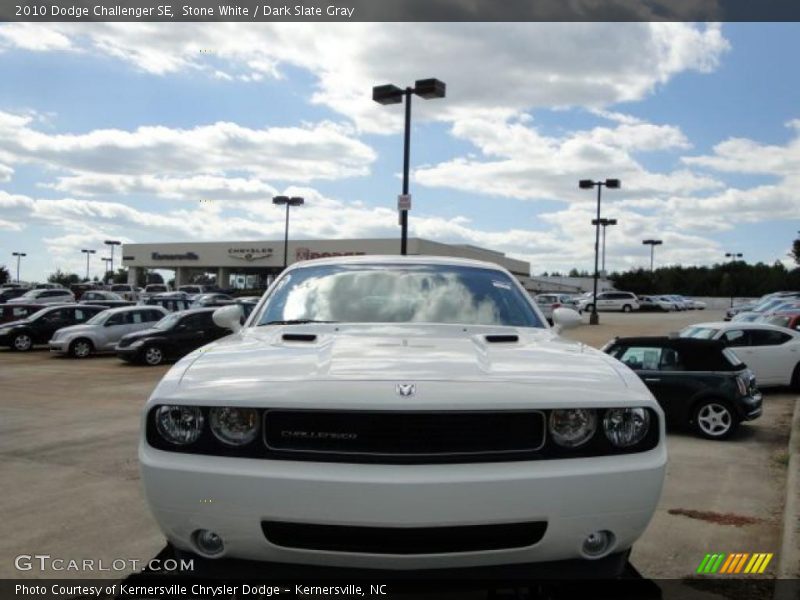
399 10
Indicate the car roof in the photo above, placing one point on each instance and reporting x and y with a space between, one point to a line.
668 341
393 259
119 309
726 325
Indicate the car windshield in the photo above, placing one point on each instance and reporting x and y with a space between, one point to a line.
98 318
399 293
168 322
120 288
703 333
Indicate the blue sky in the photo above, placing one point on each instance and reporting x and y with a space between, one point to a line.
120 130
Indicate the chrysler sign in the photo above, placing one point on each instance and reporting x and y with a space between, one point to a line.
250 253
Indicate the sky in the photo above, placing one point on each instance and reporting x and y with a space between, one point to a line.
166 132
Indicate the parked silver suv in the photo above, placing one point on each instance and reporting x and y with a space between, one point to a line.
102 332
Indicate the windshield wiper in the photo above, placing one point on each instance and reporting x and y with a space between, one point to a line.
295 322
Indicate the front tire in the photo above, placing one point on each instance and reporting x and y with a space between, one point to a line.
22 342
714 419
152 356
589 308
80 348
627 308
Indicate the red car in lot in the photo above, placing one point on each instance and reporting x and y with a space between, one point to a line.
788 319
17 312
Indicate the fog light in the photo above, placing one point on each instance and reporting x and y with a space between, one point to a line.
598 543
208 542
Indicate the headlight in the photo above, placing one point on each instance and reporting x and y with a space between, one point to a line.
234 426
5 331
179 425
572 427
626 427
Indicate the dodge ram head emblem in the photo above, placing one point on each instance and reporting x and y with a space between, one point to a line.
406 389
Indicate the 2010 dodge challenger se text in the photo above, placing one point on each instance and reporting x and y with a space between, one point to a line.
403 413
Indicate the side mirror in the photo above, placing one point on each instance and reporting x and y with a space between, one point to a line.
229 317
565 318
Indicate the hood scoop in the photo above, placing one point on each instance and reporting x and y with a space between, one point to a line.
299 337
502 339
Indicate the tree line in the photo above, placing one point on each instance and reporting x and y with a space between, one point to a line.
727 279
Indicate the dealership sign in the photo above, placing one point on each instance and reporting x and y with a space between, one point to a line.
184 256
308 254
250 253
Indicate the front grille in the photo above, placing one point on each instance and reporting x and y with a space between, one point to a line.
404 540
404 434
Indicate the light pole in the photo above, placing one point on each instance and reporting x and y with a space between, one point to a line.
293 201
587 184
112 243
604 223
87 252
19 255
391 94
652 244
107 260
733 256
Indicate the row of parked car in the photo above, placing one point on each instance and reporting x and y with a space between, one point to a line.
779 308
161 327
615 301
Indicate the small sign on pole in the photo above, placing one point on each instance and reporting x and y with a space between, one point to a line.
404 202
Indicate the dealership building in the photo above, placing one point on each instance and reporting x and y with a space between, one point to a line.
256 264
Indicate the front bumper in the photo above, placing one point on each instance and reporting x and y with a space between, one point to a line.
58 346
233 496
128 353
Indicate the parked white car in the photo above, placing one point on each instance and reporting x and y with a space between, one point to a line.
44 296
102 332
402 413
621 301
547 303
126 291
771 352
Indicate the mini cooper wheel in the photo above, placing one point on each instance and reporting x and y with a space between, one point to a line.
80 348
22 342
714 419
153 355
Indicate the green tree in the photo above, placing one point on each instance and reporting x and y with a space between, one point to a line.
5 276
795 253
65 279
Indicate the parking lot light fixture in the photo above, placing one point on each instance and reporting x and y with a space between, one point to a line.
587 184
604 223
733 256
88 253
19 255
652 244
112 243
427 89
288 201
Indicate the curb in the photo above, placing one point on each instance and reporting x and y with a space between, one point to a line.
789 565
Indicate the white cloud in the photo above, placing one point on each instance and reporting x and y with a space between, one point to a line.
498 66
321 151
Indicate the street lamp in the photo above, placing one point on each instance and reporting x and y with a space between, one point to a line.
293 201
587 184
112 243
604 223
19 255
652 244
733 256
391 94
87 252
107 260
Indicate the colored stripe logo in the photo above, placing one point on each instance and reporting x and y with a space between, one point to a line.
735 563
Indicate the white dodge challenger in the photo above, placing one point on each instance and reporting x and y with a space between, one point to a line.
403 413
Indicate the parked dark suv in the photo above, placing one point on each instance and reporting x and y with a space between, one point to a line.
173 336
40 326
697 382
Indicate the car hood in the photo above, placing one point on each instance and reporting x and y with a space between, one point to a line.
143 333
77 329
398 352
15 323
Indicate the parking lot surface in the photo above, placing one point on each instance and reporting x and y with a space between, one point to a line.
69 431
